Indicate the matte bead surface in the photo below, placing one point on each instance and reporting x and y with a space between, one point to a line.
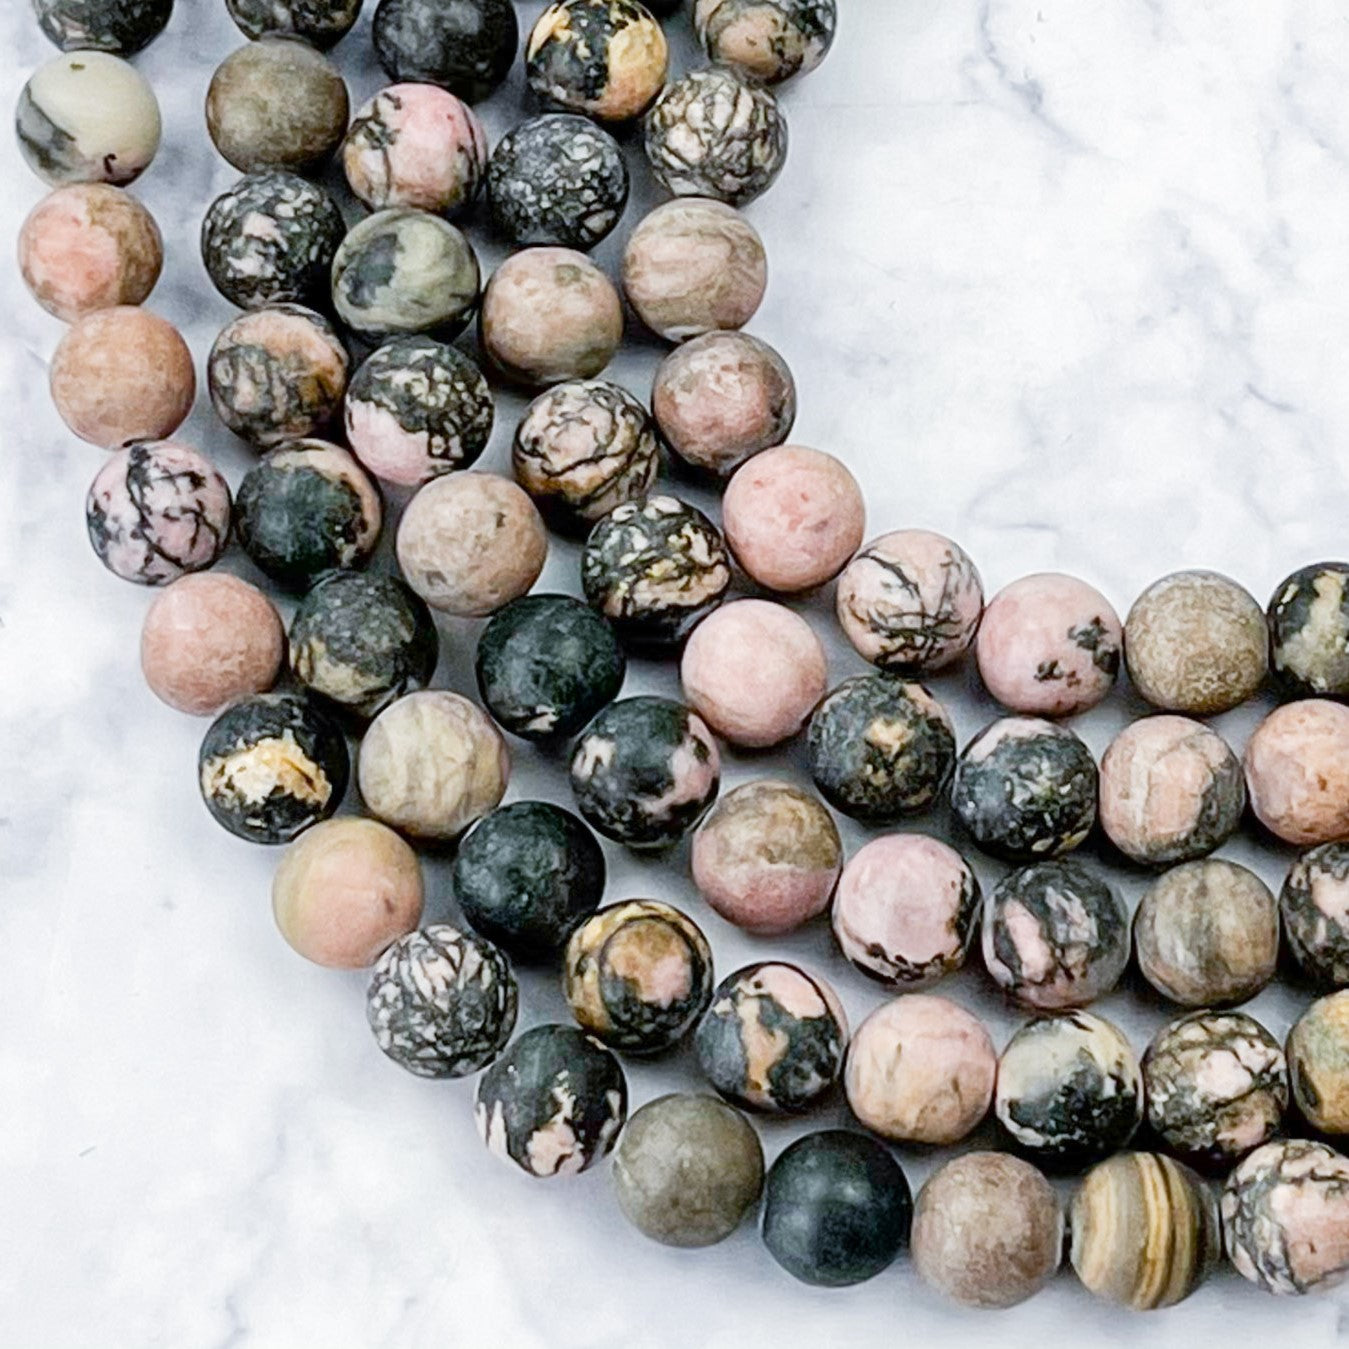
465 46
768 40
1297 772
122 27
1308 620
1314 908
1318 1063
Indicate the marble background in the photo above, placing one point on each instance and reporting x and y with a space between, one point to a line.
1067 279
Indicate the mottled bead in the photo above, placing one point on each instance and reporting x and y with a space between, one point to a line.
768 40
321 23
441 1003
1308 619
773 1038
1055 935
1318 1063
1314 907
466 46
553 1103
1297 772
122 27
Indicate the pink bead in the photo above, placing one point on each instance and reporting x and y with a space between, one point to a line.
1297 772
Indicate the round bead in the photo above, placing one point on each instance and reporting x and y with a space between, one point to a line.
321 23
692 266
1049 645
1285 1214
583 448
415 145
441 1003
526 874
767 856
793 517
432 763
122 27
1216 1086
1309 631
404 271
910 601
122 374
1297 772
768 40
470 542
906 909
157 510
277 374
467 46
1070 1089
1025 789
1144 1230
1055 936
645 771
773 1038
546 664
272 765
1318 1063
550 314
687 1169
276 104
987 1230
880 748
837 1209
344 890
89 246
208 640
557 179
271 239
637 975
87 117
654 569
1314 906
307 508
605 58
553 1103
1195 642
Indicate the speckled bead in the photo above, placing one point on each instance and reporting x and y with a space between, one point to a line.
1026 789
1055 936
774 1038
1308 619
553 1103
321 23
768 40
906 910
157 510
306 509
1216 1085
880 748
526 875
1207 933
122 27
645 771
466 47
654 569
1285 1213
1297 772
1318 1063
583 448
441 1003
272 765
1145 1231
1314 907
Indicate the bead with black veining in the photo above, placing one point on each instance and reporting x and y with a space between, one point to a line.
122 27
322 23
1308 620
768 40
1314 907
465 46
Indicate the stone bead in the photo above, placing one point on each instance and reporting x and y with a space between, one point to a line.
1195 642
321 23
208 640
1308 619
692 266
1285 1214
722 398
987 1230
1049 645
793 517
441 1003
1145 1231
837 1209
432 763
920 1070
1297 772
345 890
1314 907
880 748
89 246
1207 934
767 856
1171 790
638 975
276 104
1216 1086
1318 1063
687 1169
906 910
548 315
773 1039
122 27
768 40
122 374
467 47
470 542
1055 936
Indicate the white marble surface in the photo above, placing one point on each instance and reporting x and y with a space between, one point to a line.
1068 279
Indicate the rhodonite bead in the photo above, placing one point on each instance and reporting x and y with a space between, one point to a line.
122 27
1314 907
1318 1063
321 23
1308 619
768 40
467 46
1297 772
